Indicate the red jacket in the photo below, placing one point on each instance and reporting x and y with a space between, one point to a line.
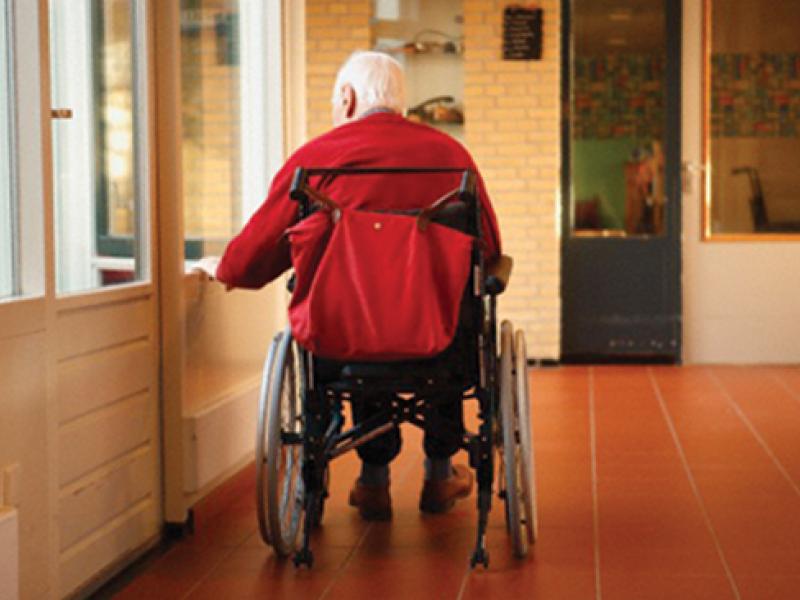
260 252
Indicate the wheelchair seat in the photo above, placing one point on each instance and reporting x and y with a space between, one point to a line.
446 370
386 370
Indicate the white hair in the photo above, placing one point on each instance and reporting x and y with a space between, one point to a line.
376 78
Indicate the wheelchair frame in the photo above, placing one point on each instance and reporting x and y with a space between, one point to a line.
321 401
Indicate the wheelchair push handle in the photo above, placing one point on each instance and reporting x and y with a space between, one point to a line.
466 191
301 175
299 182
301 192
333 171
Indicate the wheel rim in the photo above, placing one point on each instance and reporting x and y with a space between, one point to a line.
527 463
280 487
511 459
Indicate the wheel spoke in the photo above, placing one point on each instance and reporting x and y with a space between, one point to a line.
286 479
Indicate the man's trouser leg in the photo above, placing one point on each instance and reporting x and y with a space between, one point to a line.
444 428
384 448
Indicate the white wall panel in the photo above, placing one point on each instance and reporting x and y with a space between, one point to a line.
92 381
96 327
21 317
23 441
108 546
9 554
89 442
88 504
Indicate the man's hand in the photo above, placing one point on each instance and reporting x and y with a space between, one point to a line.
208 265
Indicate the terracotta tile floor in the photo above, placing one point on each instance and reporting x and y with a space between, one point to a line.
653 482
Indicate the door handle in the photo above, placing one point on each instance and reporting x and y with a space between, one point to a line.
690 169
60 113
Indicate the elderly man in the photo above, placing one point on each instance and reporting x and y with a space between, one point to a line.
369 131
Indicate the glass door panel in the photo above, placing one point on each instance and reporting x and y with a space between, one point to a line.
617 117
97 59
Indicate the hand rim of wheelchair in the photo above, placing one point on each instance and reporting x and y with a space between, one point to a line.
515 443
280 497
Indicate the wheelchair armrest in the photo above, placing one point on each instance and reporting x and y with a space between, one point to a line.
498 274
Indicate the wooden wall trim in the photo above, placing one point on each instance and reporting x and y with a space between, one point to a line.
169 233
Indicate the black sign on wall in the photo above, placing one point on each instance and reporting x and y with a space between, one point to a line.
522 33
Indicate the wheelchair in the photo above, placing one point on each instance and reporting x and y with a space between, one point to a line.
300 424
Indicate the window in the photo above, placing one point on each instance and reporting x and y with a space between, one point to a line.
8 242
97 80
752 119
231 107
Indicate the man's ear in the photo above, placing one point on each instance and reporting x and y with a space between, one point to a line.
349 96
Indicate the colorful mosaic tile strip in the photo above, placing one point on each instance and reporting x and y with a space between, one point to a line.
755 95
618 96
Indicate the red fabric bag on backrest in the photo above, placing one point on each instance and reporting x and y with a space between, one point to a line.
375 286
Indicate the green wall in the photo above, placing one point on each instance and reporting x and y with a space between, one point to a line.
598 169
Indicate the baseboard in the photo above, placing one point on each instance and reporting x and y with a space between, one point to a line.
108 582
544 362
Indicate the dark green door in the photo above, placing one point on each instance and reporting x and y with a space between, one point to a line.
621 292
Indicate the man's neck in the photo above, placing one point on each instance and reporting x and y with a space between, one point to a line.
375 110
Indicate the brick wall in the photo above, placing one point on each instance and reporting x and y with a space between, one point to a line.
512 129
333 31
211 117
512 112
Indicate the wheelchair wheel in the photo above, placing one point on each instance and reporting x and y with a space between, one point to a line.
515 445
279 449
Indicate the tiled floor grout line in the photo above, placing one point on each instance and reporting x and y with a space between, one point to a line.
595 504
349 558
789 389
754 431
693 484
216 566
464 580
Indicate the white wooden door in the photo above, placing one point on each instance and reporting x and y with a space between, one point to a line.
103 332
79 336
740 296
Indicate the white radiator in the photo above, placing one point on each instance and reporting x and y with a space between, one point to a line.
9 554
219 437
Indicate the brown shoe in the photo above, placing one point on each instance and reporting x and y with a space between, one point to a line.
439 496
373 501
